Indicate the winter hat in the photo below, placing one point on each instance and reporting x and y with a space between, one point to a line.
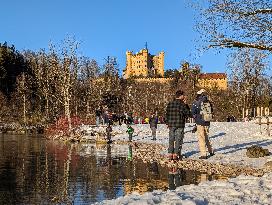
201 91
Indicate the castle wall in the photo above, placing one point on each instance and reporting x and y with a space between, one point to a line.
210 80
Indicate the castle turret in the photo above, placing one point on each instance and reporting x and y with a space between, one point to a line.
160 69
128 69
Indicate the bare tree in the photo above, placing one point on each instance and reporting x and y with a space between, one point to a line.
23 93
248 68
89 72
64 64
4 108
44 79
236 23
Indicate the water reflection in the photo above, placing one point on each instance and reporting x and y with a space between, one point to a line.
36 171
174 178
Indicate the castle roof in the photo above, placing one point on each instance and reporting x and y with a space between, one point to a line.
212 75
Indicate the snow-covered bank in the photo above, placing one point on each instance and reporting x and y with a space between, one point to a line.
241 190
229 139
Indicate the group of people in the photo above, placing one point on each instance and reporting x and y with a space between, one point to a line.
177 113
105 117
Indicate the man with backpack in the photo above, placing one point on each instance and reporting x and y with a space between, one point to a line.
177 111
202 112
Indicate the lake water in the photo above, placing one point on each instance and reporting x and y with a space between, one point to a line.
34 170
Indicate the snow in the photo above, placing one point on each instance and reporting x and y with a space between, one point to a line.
239 190
230 140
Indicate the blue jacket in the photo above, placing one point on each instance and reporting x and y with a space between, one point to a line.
196 111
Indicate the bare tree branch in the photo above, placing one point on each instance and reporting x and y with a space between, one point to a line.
259 11
228 43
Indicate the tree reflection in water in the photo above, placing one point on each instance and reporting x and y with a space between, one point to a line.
36 171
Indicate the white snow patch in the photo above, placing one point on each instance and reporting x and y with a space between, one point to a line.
229 140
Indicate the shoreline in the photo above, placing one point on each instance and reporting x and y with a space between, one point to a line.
240 190
249 179
228 169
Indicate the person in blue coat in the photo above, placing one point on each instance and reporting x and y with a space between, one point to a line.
202 114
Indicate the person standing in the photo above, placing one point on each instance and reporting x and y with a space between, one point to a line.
98 114
106 116
153 121
130 131
177 111
202 113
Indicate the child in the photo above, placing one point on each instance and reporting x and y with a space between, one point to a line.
130 131
153 121
108 133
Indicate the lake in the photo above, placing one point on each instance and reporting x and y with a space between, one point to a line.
34 170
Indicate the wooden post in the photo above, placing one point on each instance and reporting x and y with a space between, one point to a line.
261 111
258 112
243 113
254 114
246 112
266 111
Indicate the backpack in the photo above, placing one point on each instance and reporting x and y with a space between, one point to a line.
206 111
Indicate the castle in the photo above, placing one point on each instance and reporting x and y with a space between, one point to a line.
144 64
210 80
147 67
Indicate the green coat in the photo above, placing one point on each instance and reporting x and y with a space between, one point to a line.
130 130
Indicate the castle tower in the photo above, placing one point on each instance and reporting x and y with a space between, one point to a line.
160 69
128 71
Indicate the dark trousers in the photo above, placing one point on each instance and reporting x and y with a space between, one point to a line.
153 130
174 181
130 136
176 136
108 136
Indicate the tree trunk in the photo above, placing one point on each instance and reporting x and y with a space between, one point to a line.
24 109
87 109
24 100
67 112
46 107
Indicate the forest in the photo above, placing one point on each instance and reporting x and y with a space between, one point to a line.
41 87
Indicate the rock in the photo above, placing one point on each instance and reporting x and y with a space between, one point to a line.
256 152
268 165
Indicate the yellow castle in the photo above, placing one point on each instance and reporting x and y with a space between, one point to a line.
211 80
150 68
144 64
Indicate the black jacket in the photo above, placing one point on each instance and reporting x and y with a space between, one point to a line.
176 113
98 113
153 121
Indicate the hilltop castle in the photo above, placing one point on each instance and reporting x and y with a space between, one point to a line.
150 68
144 64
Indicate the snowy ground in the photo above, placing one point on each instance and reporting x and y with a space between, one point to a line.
241 190
229 139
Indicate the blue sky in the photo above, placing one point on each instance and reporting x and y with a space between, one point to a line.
109 28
